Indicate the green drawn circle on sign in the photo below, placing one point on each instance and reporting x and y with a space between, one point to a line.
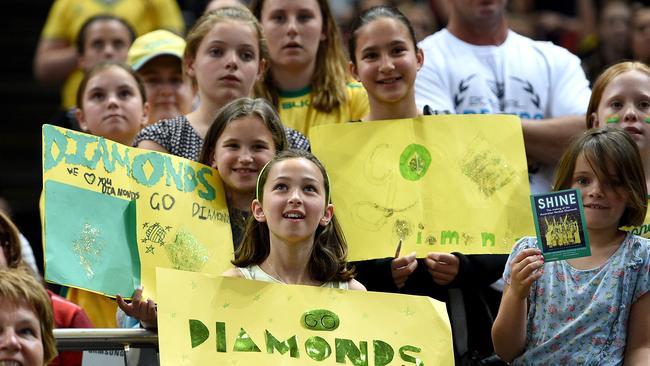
414 162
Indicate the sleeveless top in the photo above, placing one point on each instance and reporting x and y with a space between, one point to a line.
254 272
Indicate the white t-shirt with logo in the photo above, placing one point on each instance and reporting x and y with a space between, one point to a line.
527 78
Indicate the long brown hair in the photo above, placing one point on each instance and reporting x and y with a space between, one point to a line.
236 109
328 259
328 83
605 149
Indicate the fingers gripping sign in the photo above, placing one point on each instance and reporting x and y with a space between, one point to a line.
524 270
143 310
402 268
443 267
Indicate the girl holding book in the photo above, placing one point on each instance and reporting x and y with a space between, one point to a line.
589 310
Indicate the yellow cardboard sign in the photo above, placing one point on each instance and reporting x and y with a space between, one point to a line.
213 320
114 213
440 183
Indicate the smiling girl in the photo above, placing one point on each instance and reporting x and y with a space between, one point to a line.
293 236
244 136
591 310
385 58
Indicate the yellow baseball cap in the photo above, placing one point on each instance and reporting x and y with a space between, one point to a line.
153 44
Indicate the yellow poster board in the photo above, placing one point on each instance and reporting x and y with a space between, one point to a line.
456 183
213 320
113 213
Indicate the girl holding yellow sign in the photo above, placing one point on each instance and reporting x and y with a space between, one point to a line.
244 137
385 58
294 237
112 104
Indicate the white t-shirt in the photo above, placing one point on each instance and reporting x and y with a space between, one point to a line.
527 78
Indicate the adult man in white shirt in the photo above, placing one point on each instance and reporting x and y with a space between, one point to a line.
478 65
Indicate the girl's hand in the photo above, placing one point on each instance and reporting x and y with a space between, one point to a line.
144 311
443 267
402 267
524 270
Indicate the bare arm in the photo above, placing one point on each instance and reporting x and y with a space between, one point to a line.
150 145
637 350
547 139
54 60
509 329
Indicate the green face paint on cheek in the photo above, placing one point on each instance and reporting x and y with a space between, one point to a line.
613 119
646 120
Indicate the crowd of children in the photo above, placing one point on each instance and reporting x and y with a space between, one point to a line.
241 93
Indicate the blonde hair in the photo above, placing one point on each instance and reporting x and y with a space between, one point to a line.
605 78
328 83
208 20
18 287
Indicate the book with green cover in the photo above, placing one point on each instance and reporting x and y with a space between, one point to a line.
560 225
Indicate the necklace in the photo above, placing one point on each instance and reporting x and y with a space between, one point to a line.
275 275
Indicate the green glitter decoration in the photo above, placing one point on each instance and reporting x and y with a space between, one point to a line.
646 120
402 228
88 248
485 167
186 253
613 119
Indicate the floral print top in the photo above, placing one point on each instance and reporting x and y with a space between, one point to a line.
579 317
